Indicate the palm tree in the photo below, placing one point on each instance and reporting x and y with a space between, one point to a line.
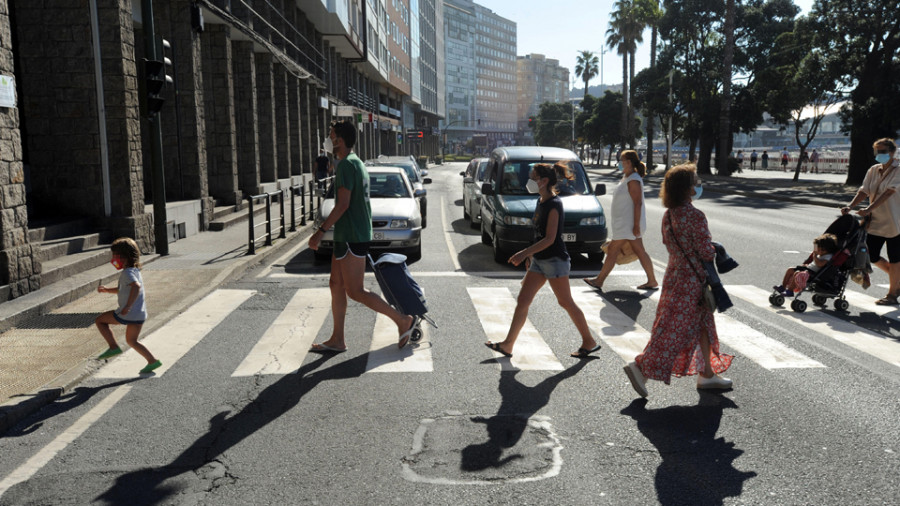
650 15
623 35
587 66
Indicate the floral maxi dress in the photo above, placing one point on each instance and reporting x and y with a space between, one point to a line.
674 347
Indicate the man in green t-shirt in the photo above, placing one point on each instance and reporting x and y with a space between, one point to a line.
352 222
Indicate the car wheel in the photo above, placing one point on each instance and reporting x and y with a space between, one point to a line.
485 237
499 255
466 214
424 219
415 253
597 257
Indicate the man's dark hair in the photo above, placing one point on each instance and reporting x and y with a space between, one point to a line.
346 131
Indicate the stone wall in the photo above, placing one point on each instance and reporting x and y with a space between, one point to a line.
218 94
243 63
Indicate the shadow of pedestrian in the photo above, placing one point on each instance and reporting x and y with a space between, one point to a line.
505 428
697 467
63 403
146 486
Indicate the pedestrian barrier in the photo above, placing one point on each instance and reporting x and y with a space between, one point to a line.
310 200
267 198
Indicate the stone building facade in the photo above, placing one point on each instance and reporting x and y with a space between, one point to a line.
255 85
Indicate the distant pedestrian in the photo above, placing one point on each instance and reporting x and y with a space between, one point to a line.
784 159
765 160
740 160
322 165
628 215
814 160
753 158
683 341
880 186
804 161
351 218
546 260
132 311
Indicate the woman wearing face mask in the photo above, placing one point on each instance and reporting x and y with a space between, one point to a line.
629 222
683 341
880 186
546 260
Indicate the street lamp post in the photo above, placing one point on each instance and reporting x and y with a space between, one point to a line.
443 130
671 113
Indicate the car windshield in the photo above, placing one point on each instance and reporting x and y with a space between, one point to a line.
411 169
515 175
387 186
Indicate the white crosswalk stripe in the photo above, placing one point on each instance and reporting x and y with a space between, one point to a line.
174 339
385 357
864 302
616 329
495 308
283 347
836 328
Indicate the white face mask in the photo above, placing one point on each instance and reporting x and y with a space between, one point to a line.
532 186
328 146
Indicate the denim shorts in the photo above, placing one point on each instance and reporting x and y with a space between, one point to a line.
550 268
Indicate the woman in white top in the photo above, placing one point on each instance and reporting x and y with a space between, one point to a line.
629 221
880 186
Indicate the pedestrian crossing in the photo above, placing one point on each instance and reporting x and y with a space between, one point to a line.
283 346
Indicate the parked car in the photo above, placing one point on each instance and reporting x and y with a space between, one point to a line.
507 209
396 220
415 175
473 177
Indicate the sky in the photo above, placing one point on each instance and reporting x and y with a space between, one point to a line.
560 29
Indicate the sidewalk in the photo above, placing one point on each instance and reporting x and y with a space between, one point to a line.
45 353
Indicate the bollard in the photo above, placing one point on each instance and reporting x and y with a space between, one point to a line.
268 219
312 209
283 233
293 221
251 248
303 205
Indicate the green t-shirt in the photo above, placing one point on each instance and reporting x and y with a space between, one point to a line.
355 225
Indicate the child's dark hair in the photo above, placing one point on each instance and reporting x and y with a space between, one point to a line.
827 242
555 172
127 249
345 130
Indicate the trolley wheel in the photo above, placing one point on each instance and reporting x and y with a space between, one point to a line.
776 299
820 300
798 305
416 335
841 304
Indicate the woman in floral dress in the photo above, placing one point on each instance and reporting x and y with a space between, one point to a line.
683 341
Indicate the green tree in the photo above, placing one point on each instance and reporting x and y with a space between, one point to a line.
603 128
553 125
859 41
587 65
725 100
623 35
649 15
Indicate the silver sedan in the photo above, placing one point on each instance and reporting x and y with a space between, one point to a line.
396 220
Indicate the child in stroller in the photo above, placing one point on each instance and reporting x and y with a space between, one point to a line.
795 278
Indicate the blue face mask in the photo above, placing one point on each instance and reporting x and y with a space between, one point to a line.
883 158
621 167
698 190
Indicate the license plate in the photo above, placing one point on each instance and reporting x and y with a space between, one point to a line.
378 236
569 237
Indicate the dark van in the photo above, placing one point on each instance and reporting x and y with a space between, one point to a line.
507 209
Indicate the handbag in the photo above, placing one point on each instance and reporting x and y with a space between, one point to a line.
626 253
707 299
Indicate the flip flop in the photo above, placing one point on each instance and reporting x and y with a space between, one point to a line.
496 347
887 300
324 348
646 286
404 337
584 352
590 283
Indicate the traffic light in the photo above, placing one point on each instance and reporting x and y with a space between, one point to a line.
156 79
530 122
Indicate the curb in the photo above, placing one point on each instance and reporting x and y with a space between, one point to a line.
18 408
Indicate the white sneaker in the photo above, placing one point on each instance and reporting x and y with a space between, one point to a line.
638 381
714 382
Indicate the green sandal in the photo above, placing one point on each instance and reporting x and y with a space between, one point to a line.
112 352
151 367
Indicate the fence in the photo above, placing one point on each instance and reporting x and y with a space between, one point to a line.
308 195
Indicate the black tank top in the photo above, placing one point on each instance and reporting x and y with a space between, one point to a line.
541 212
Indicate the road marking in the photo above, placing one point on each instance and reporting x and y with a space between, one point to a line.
753 344
619 331
495 307
385 357
574 275
283 259
867 302
47 453
286 342
447 230
825 324
173 340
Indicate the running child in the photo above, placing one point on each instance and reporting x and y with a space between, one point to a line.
132 311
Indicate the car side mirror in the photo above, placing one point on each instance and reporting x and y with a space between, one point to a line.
487 189
424 173
462 173
420 193
427 180
600 189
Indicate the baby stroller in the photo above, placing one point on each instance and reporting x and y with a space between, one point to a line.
831 280
400 289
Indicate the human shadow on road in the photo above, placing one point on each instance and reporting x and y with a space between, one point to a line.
63 403
505 428
146 486
697 468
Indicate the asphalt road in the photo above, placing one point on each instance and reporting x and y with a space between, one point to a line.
242 415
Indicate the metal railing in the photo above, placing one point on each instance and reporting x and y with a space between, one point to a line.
310 200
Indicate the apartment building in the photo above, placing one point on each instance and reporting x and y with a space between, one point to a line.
540 79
